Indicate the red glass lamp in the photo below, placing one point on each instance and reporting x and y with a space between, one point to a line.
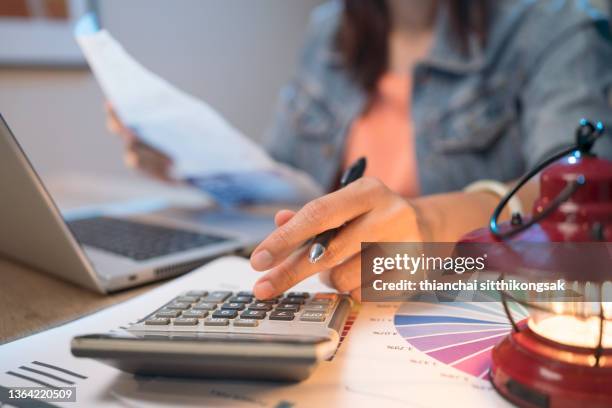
561 355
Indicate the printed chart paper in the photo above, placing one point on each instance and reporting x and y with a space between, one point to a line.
375 366
206 150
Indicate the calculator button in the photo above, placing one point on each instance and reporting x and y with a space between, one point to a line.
274 298
288 308
168 313
197 293
246 323
316 308
292 300
241 299
186 299
205 306
178 305
332 297
198 314
298 294
233 306
282 315
253 314
320 302
211 321
260 306
227 314
313 317
185 321
245 293
157 321
268 301
217 296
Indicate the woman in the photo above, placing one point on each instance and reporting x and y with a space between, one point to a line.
437 95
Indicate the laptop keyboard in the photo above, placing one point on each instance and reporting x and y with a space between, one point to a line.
241 309
135 240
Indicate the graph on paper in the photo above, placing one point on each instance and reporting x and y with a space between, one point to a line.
458 334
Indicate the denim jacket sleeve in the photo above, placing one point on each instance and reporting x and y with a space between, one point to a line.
570 77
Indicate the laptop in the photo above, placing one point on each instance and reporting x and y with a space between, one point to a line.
107 252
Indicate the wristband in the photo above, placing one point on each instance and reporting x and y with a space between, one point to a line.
497 188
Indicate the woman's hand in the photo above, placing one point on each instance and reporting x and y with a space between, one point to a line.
139 155
371 212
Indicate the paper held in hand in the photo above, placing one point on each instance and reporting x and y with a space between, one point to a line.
206 150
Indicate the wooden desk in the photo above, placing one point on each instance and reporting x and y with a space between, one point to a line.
31 301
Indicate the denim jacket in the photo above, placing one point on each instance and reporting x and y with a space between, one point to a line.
490 114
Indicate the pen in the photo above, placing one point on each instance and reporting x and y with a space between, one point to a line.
321 241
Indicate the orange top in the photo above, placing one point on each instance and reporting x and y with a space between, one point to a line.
384 135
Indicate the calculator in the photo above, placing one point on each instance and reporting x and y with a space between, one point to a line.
226 335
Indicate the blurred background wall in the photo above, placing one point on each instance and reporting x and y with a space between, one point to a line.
235 54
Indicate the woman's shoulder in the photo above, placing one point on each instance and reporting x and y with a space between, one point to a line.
566 10
321 31
321 72
545 19
523 31
327 13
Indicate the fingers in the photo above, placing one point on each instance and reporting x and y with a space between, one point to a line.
329 211
114 125
282 277
140 156
282 217
346 277
356 294
291 271
297 266
393 221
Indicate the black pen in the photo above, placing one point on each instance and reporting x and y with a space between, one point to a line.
321 241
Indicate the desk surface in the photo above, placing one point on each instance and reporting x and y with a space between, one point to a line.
31 301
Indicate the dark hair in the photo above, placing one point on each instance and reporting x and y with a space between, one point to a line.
363 35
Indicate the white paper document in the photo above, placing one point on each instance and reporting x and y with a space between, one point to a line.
374 366
205 148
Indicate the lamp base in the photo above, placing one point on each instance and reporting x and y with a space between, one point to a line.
531 371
